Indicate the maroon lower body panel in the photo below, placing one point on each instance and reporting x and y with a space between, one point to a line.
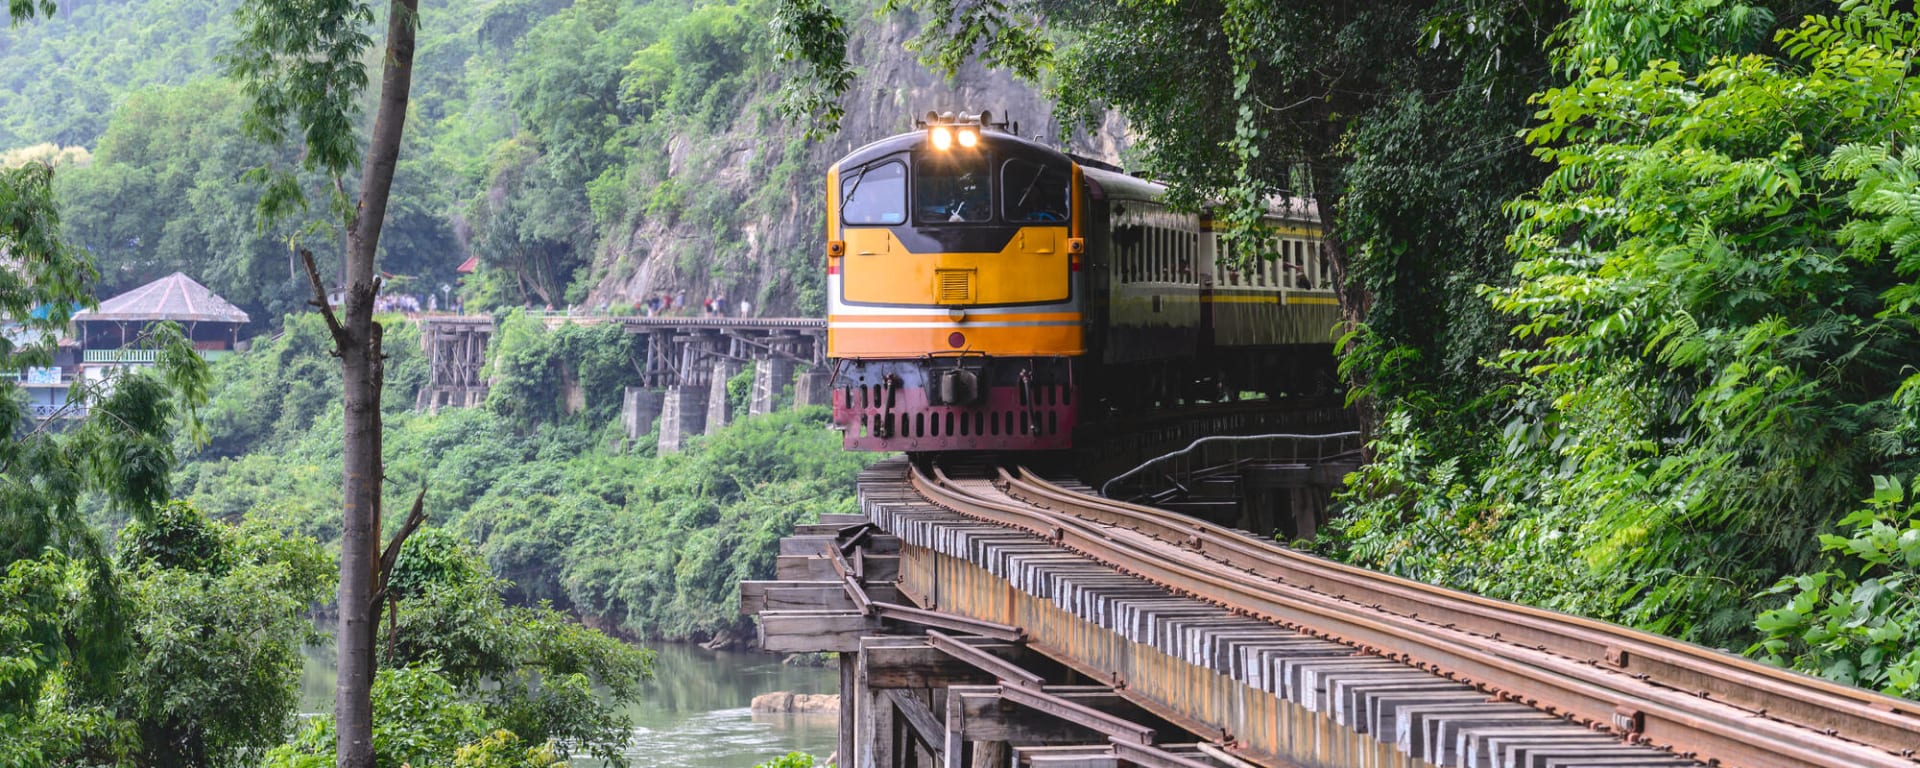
878 418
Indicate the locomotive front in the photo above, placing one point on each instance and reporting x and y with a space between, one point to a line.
954 290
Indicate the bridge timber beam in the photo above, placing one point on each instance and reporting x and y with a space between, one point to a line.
456 349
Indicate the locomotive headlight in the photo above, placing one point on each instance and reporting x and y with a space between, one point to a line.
969 138
942 138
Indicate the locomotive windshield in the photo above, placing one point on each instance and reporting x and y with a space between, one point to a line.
952 187
1034 192
876 194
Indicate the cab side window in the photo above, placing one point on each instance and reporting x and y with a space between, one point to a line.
1034 192
875 195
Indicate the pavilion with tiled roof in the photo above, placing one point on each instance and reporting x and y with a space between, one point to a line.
211 322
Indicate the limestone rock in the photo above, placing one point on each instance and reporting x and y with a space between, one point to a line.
787 702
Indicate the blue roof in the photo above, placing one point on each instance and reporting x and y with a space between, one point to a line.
41 312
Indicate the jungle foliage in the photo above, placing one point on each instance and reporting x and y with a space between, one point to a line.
1708 362
651 544
180 644
467 680
789 760
209 620
74 628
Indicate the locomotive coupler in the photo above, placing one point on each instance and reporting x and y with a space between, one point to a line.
956 386
884 426
1033 406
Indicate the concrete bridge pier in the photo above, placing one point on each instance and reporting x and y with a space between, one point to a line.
639 406
770 376
683 413
810 388
718 414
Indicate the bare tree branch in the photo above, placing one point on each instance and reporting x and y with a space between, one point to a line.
320 299
391 555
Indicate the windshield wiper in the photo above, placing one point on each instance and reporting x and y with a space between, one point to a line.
856 186
1030 186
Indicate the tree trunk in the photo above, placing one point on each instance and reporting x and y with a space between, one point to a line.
359 341
1355 299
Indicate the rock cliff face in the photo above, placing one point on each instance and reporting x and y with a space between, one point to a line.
770 248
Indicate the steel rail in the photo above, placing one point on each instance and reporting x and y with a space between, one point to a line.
1216 440
1598 696
1823 706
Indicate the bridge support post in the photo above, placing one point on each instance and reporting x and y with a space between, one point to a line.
718 414
810 388
875 727
682 414
990 754
849 699
639 406
770 376
456 349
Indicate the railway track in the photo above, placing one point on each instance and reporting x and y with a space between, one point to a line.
1643 689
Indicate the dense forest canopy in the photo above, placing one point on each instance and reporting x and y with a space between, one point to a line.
547 138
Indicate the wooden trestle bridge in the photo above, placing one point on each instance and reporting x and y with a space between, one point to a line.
985 616
683 378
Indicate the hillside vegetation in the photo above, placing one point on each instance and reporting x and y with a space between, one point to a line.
591 153
638 543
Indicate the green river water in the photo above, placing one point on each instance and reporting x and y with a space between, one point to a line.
693 714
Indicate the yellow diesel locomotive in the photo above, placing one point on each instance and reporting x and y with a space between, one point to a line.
986 292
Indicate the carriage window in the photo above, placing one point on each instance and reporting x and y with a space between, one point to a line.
1161 255
1147 254
876 194
1173 255
1257 267
1179 255
1312 266
1193 258
1167 255
952 187
1133 256
1035 192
